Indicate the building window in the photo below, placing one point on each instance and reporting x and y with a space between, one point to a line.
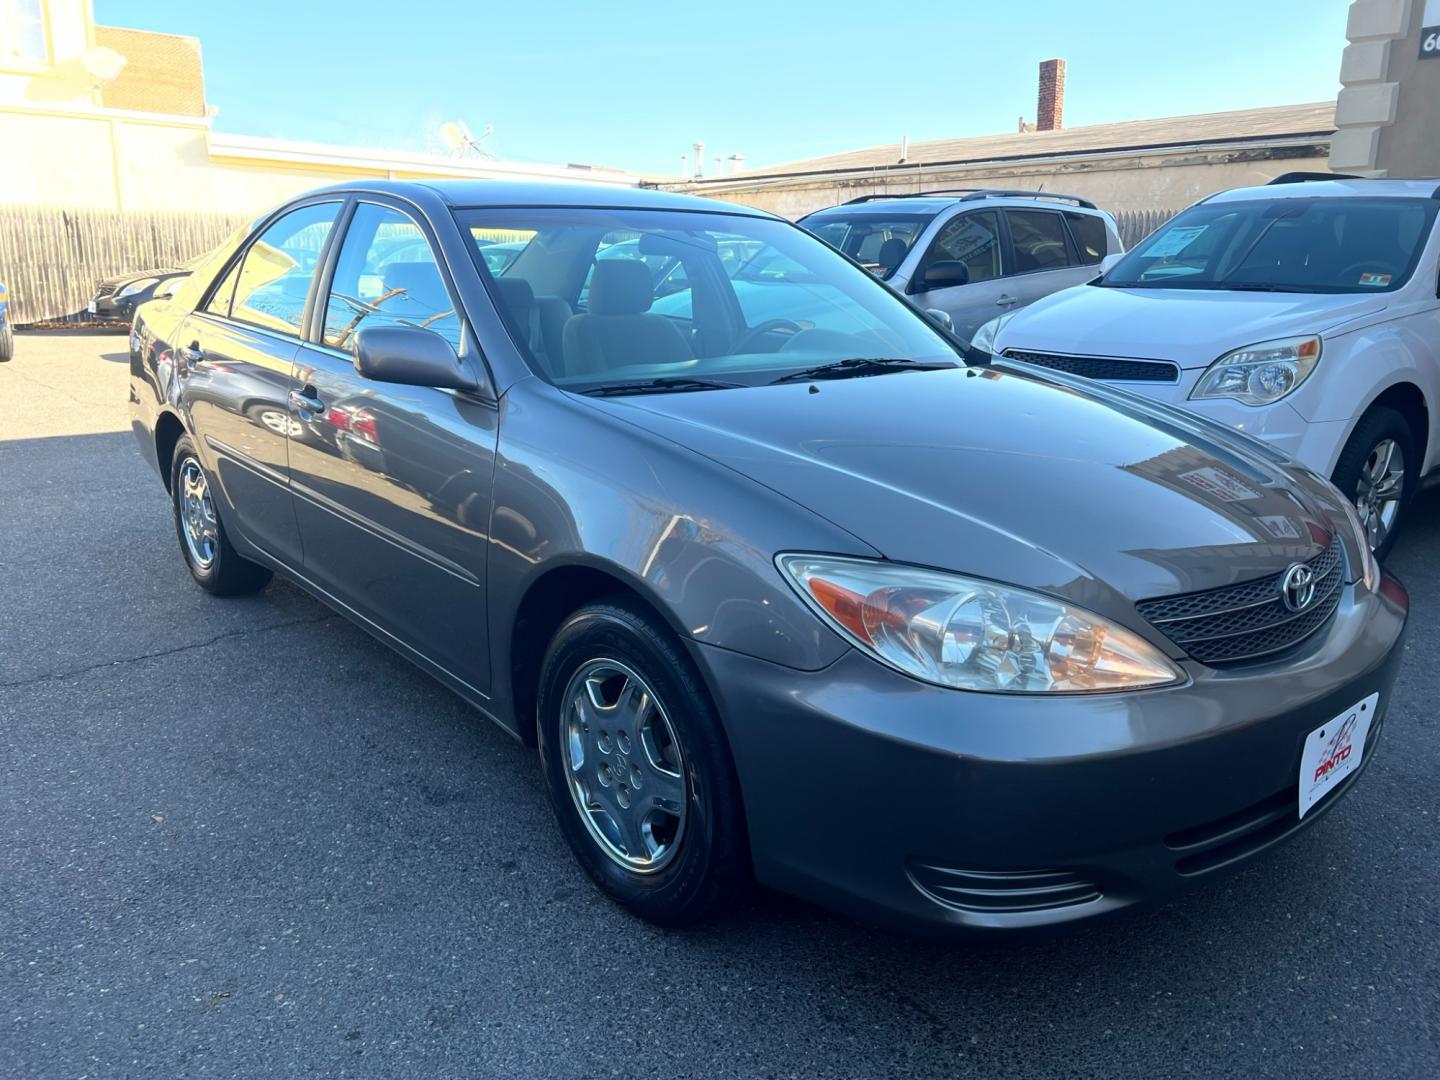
22 31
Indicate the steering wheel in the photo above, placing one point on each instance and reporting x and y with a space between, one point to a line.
1365 264
784 327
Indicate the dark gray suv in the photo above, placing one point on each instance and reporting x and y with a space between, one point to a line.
786 586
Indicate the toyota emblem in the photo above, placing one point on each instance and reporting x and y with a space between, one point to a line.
1297 587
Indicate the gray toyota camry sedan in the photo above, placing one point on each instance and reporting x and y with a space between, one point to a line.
784 584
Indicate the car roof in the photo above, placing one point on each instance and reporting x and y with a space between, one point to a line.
1316 189
889 207
493 193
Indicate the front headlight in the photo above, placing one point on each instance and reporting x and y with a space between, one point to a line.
984 338
1260 374
1369 568
970 634
136 287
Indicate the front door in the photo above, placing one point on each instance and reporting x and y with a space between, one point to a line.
972 238
234 356
393 483
1042 261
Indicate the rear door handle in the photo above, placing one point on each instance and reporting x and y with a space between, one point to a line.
306 401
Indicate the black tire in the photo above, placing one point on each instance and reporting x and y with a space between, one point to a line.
7 343
710 866
1375 427
226 573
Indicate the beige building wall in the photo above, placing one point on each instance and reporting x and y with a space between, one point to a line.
1157 181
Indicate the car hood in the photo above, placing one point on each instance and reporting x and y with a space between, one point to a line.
137 275
1009 476
1192 327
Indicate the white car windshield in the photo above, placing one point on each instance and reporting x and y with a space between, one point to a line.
1312 245
602 300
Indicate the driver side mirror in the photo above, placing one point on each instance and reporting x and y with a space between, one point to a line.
1108 263
168 289
409 356
946 274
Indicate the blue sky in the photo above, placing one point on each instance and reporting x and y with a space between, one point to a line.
634 84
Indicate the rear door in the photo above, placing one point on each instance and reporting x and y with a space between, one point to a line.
233 360
392 483
974 238
1042 256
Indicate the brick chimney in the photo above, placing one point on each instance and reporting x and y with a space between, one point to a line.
1050 110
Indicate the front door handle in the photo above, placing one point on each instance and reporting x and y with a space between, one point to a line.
192 355
305 401
1006 301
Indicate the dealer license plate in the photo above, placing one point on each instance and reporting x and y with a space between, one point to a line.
1333 752
91 307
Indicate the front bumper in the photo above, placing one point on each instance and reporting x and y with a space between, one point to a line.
110 309
874 793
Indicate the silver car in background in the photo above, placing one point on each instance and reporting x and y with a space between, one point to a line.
972 254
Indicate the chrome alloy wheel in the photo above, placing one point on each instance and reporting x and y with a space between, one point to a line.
624 766
1381 487
197 515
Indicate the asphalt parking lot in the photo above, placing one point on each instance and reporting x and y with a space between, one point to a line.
239 838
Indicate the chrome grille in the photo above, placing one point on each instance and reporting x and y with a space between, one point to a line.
1101 367
1247 621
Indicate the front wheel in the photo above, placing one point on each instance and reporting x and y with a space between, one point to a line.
637 766
1377 472
214 564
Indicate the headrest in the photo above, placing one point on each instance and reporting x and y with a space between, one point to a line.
515 294
620 287
891 252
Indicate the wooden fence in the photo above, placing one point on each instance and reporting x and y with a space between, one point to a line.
1135 225
52 257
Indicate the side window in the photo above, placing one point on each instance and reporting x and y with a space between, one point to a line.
1037 238
387 275
220 299
973 239
272 280
1089 233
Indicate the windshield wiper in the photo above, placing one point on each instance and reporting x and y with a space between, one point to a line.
1262 286
862 365
669 385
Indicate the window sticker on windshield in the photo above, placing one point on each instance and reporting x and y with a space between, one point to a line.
1175 241
1220 483
1379 280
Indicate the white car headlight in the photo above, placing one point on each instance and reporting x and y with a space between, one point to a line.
136 287
969 634
1260 374
984 338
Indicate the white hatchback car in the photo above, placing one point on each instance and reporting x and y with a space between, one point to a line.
1304 313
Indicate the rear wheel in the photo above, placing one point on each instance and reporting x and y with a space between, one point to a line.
1377 471
637 767
213 561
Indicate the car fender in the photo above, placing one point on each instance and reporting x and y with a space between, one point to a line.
712 576
1361 365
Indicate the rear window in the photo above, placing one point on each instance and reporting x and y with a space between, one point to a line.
1037 238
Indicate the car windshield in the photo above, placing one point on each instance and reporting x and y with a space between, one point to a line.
603 299
1314 245
878 242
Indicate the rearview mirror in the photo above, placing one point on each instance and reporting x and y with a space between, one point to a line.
946 274
410 356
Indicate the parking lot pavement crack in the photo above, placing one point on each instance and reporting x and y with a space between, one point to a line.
187 647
